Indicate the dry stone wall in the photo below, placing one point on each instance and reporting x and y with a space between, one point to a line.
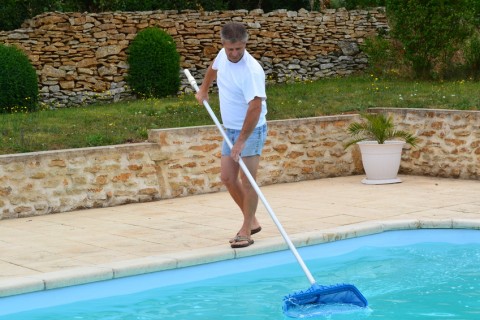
186 161
81 58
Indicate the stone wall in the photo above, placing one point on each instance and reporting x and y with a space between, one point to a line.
449 142
186 161
58 181
81 57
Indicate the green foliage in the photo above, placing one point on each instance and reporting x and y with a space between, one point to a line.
18 81
472 56
476 12
268 5
11 16
430 31
154 64
384 56
135 5
359 4
14 12
377 127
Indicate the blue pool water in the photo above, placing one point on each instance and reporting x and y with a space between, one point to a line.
416 274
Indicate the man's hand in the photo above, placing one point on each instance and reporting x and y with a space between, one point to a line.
237 150
210 76
201 96
251 120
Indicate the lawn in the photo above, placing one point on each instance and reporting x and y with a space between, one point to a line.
129 121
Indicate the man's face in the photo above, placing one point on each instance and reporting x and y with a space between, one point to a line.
234 50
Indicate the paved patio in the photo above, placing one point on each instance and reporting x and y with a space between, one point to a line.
57 250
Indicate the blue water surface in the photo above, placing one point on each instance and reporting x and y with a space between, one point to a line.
414 274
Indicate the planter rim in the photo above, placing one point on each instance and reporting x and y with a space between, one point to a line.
386 142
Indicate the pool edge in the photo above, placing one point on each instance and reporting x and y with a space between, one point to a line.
83 275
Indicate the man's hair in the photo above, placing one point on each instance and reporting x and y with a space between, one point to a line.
234 32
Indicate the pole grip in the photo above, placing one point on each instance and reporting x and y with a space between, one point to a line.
191 79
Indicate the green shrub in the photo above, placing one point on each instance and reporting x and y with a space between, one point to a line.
154 64
146 5
472 56
11 16
384 57
430 31
18 81
268 5
362 4
14 12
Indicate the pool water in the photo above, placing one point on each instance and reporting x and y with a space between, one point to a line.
420 274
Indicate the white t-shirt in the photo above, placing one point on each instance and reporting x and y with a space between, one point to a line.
238 84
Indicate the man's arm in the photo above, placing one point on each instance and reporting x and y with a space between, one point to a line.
251 120
202 93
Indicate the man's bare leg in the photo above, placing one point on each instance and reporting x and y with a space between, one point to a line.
241 190
250 197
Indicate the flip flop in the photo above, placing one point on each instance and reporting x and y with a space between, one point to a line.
252 232
241 242
256 230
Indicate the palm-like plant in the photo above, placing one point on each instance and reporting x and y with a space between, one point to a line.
377 127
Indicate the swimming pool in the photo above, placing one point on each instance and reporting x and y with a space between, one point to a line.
415 274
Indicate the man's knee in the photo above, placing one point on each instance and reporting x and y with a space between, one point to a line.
246 185
228 179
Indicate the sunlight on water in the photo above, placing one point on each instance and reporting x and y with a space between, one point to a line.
419 281
327 311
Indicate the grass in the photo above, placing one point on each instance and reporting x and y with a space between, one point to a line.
129 121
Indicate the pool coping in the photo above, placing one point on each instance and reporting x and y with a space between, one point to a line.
126 268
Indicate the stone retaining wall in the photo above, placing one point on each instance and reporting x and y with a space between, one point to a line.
449 142
186 161
81 58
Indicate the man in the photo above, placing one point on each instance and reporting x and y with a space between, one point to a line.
241 86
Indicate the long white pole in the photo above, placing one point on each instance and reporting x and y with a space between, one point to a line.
247 173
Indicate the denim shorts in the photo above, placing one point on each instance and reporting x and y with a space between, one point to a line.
253 145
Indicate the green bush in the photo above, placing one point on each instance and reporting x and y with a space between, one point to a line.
11 17
359 4
154 64
472 56
146 5
430 31
14 12
268 5
384 56
18 81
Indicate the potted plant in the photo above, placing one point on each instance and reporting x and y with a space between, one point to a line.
379 146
